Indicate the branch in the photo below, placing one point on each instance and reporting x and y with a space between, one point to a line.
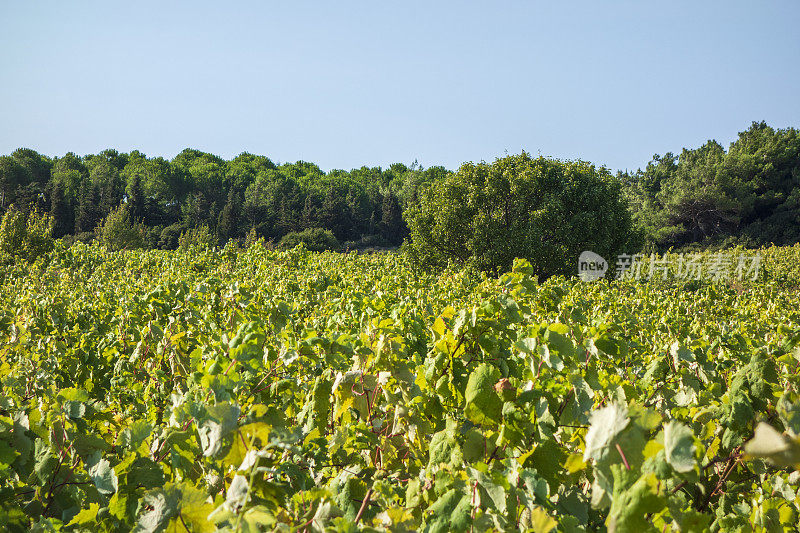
363 505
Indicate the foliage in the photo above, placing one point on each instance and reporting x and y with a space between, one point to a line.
367 242
196 188
26 236
86 237
202 390
119 231
545 210
314 239
170 236
748 194
197 237
709 196
252 238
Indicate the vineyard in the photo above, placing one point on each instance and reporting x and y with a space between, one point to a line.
261 390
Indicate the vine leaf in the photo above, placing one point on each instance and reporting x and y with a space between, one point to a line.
679 446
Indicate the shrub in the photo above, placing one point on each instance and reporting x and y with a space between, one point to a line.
26 236
314 239
171 236
368 241
544 210
119 232
197 237
86 237
152 236
253 238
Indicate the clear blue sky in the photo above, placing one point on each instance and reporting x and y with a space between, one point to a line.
346 84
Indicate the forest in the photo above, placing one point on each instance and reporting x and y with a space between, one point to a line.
703 197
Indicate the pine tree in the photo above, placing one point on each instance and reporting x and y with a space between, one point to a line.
59 211
336 214
136 207
107 200
88 215
228 224
392 226
310 213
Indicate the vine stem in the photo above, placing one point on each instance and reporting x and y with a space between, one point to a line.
474 491
363 505
624 460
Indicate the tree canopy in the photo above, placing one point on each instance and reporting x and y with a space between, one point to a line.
708 196
749 194
545 210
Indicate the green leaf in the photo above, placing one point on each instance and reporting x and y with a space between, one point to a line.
146 473
483 405
474 448
173 506
547 458
194 508
556 338
7 454
102 474
496 491
679 446
238 490
87 444
541 522
631 504
444 449
789 411
118 505
45 461
680 353
74 410
85 516
767 443
159 507
606 423
134 435
72 394
221 420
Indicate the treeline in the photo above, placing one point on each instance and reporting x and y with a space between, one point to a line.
248 194
748 194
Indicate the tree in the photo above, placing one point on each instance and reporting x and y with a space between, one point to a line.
392 225
228 225
136 200
311 210
12 176
204 173
37 165
544 210
335 213
194 210
314 239
244 168
60 213
199 237
709 196
119 231
88 215
105 177
25 235
71 172
162 185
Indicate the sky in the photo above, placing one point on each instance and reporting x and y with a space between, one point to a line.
346 84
